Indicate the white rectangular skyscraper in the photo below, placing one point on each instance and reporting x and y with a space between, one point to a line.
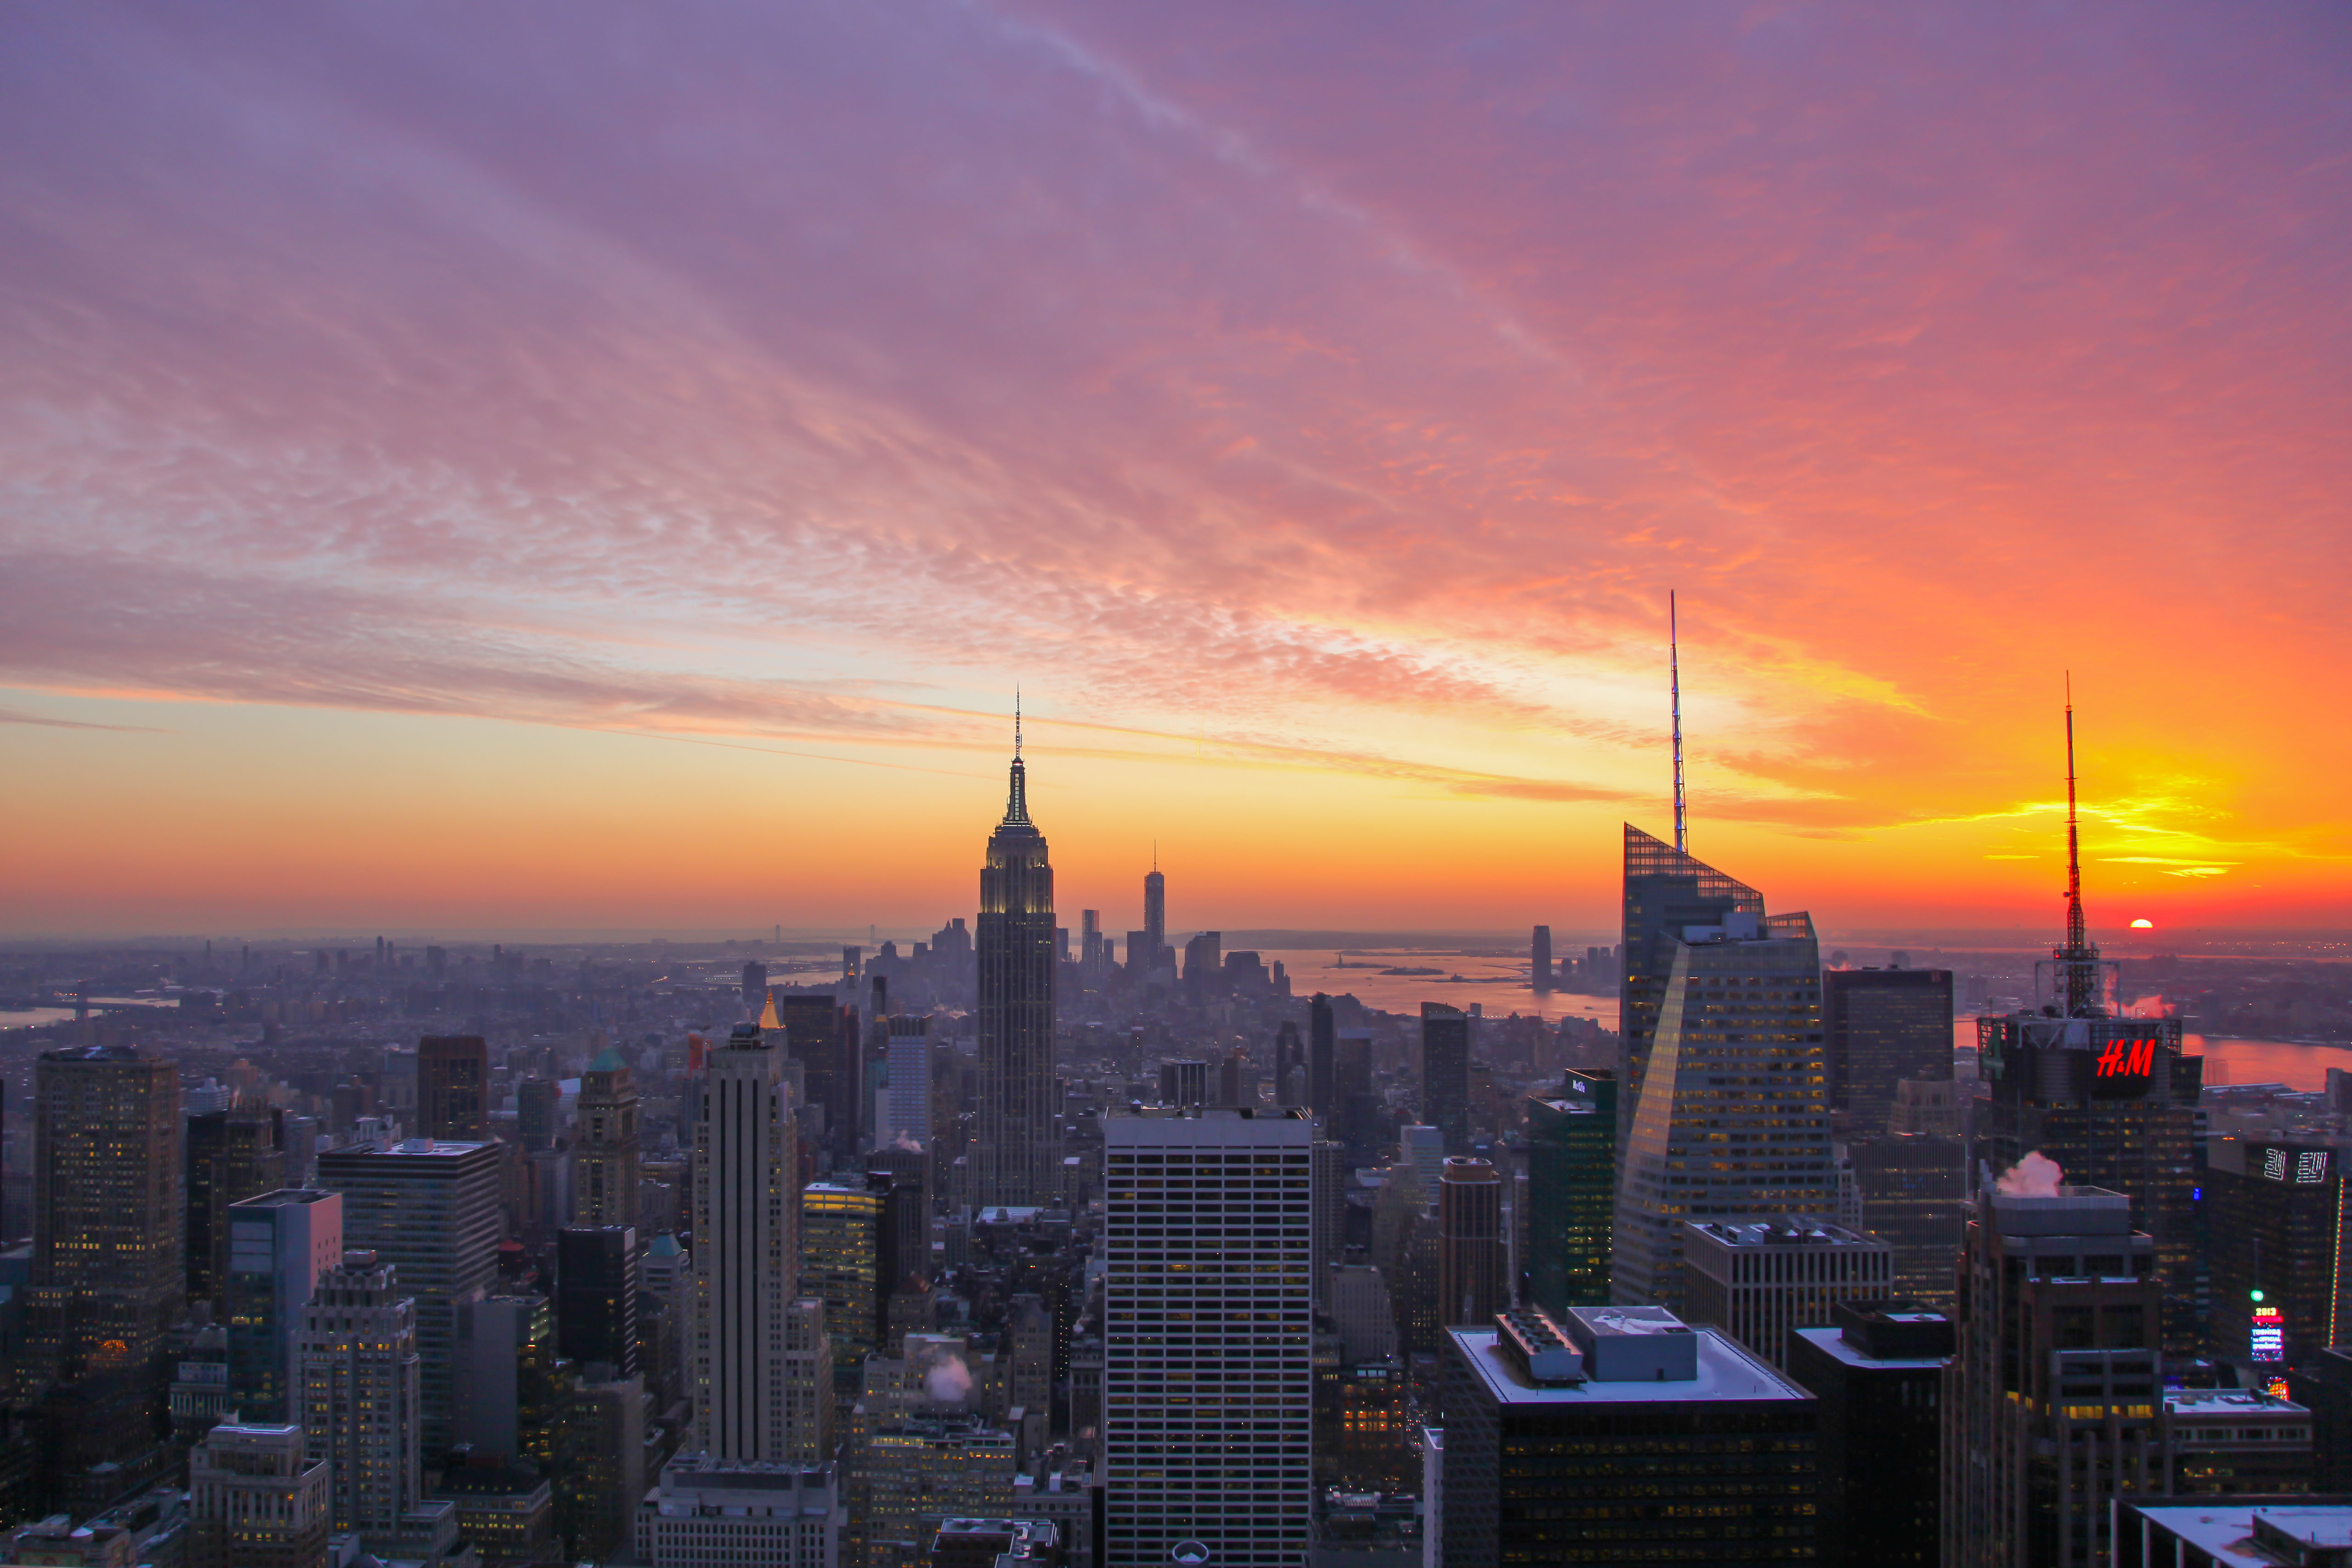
1207 1376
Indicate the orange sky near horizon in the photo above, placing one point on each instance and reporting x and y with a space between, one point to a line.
463 474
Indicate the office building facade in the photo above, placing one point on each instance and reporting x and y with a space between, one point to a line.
453 1088
2278 1232
1572 1193
1758 1280
2053 1401
232 1154
1878 1371
1731 1114
1208 1371
278 1245
429 1209
842 1246
1912 1190
1019 1146
1445 1073
1621 1435
257 1499
596 1297
1472 1282
1880 1027
605 1166
361 1393
719 1513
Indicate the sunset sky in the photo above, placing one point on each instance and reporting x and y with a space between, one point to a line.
610 466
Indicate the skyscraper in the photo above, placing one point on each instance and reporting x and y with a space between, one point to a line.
604 1163
106 1270
1878 1373
278 1245
1208 1245
756 1355
841 1262
596 1297
2280 1230
1472 1286
429 1209
822 1036
1571 1192
1620 1434
256 1499
1155 915
360 1395
2052 1405
233 1154
1723 1047
1322 1091
907 1107
1880 1027
453 1088
1760 1280
1445 1073
1540 959
1019 1151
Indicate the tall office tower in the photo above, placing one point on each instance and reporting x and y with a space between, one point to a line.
1204 959
604 1163
2112 1100
755 987
1322 1094
1878 1371
1360 1120
1619 1435
1289 1065
758 1354
256 1499
841 1263
538 1102
278 1245
903 1176
1445 1073
919 1471
596 1297
1235 1084
1759 1280
1472 1283
1330 1218
360 1393
1666 892
1732 1115
907 1107
1880 1027
1207 1246
453 1088
2051 1405
1155 917
1141 958
1019 1149
1089 938
106 1268
733 1513
2280 1229
1912 1186
508 1377
1540 959
232 1155
823 1037
1571 1192
430 1210
1185 1083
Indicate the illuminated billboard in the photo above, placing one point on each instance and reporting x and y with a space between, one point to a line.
2267 1336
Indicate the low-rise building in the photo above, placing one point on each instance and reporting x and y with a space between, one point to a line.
732 1513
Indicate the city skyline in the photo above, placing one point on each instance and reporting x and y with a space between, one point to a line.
416 479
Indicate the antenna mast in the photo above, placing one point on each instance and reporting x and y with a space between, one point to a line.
1675 666
2078 960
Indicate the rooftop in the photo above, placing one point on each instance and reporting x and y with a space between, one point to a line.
1783 1230
2230 1401
1836 1345
1726 1373
2229 1534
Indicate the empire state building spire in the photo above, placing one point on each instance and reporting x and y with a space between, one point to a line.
1016 805
1019 1147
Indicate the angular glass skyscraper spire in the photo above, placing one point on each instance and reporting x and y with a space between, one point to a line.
1018 1153
1722 1066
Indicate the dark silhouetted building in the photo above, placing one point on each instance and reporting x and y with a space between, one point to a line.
755 987
1878 1371
596 1296
1445 1073
1540 959
2278 1235
232 1156
1571 1192
2052 1407
453 1088
1879 1027
1322 1096
822 1036
1620 1434
1019 1148
1472 1265
1912 1188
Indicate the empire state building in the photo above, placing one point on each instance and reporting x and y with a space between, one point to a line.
1019 1153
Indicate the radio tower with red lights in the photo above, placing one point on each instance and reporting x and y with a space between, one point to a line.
2078 961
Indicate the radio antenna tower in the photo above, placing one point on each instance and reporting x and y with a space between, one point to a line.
1675 667
2078 960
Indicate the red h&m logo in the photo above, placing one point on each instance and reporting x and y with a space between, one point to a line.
2128 1059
